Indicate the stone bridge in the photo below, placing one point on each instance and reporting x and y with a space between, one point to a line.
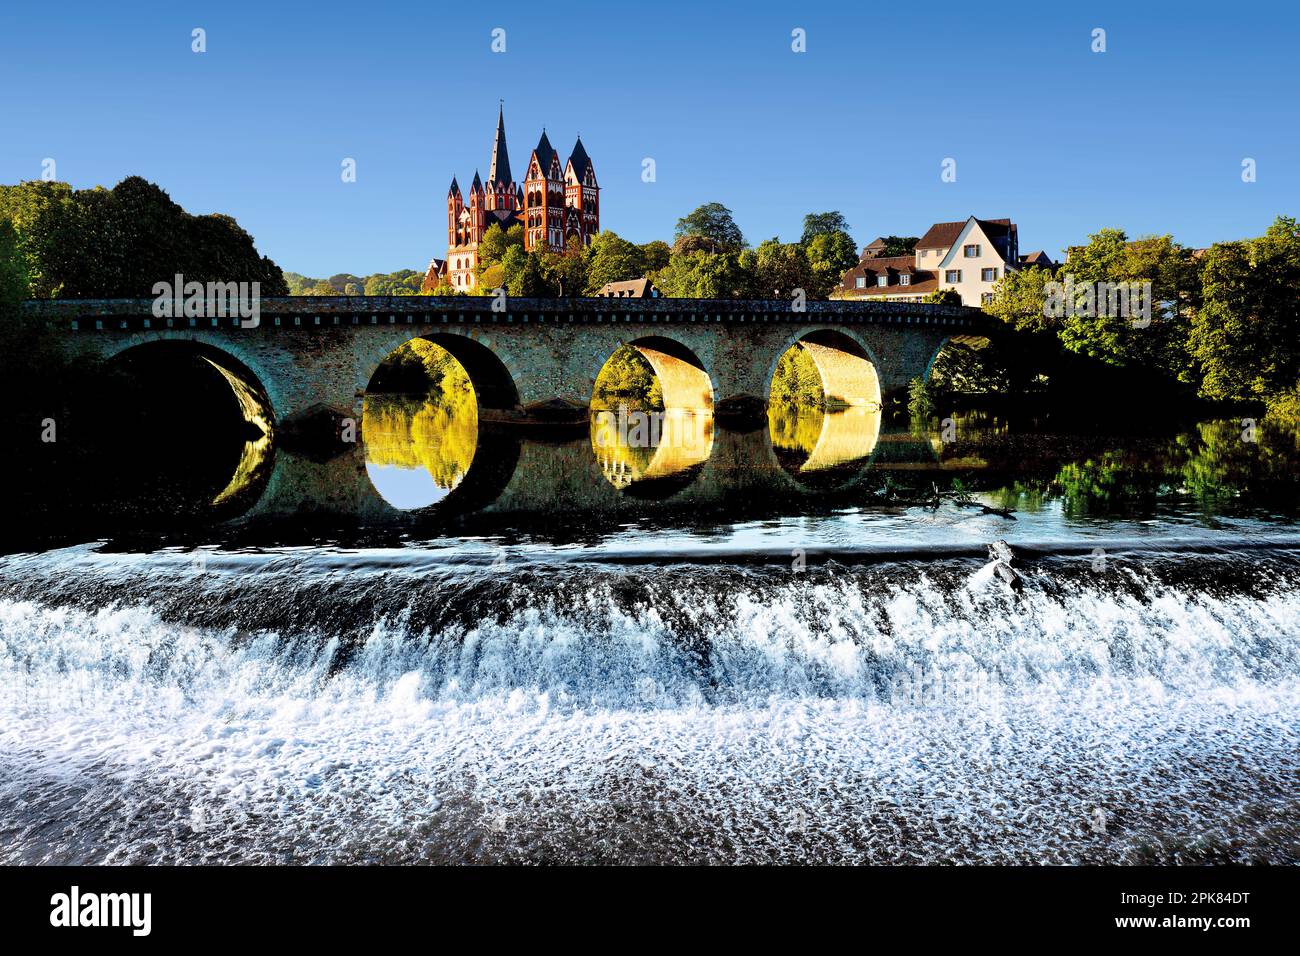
318 353
305 369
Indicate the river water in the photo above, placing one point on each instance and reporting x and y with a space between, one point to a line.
839 676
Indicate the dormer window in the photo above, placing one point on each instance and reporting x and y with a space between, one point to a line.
971 252
904 279
860 282
882 280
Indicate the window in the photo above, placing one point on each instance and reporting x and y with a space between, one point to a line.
904 279
970 252
860 282
922 253
882 280
989 275
952 275
986 298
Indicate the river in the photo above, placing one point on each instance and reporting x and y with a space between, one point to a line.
694 669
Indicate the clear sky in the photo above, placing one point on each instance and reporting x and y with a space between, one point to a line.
1149 135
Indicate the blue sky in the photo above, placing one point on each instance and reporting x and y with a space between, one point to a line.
1148 136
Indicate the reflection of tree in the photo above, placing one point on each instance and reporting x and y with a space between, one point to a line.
436 434
1110 482
1218 464
794 428
1215 465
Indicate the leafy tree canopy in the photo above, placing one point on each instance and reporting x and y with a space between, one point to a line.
823 223
119 242
713 224
1244 337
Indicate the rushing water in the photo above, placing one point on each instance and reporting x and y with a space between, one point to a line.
834 675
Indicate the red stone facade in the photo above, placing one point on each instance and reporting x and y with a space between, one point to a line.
557 204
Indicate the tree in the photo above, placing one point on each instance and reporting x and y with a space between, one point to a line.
492 247
1020 299
655 255
899 245
611 258
1094 326
119 242
1244 337
830 254
13 273
823 223
778 269
703 275
944 297
712 223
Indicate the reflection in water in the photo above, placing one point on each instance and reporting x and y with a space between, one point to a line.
820 446
649 446
255 458
419 446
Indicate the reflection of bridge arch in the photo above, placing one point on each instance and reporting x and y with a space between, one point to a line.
683 379
839 445
678 443
251 401
847 367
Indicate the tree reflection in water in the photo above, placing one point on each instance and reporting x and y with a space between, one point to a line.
421 436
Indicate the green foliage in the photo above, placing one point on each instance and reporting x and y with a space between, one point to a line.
797 380
1117 339
960 369
920 400
119 242
611 258
1244 338
401 282
492 247
900 245
830 254
655 255
704 275
778 269
1019 300
1284 409
627 379
13 272
713 224
822 224
944 297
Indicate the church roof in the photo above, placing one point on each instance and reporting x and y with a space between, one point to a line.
455 187
477 185
580 161
499 171
544 154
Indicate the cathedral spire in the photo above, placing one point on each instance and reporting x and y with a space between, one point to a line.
499 171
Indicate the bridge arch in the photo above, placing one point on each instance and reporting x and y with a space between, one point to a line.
491 370
684 380
848 368
239 427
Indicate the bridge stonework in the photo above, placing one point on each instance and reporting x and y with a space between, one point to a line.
320 352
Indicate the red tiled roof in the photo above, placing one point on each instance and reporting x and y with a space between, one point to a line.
943 234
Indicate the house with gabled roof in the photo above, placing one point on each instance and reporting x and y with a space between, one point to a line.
968 256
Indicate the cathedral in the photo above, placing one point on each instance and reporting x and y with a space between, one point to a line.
557 205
